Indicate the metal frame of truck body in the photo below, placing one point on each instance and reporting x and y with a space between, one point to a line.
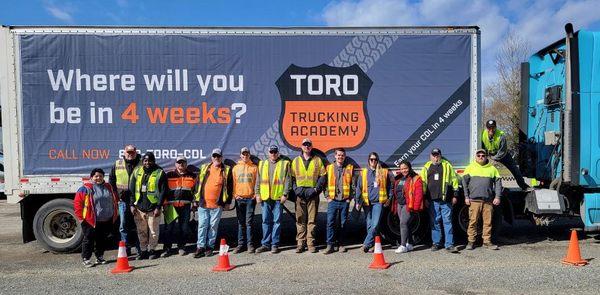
20 187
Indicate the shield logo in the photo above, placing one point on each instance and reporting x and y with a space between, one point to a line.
326 104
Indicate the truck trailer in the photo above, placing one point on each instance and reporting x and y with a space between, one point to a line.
72 97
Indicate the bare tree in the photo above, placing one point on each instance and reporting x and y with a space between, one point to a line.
502 97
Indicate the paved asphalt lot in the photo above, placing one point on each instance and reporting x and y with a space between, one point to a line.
528 262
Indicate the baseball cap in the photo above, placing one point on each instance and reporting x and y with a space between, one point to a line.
273 148
490 124
306 140
244 150
180 158
480 151
436 151
217 152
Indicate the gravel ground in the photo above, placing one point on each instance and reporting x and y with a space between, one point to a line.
528 262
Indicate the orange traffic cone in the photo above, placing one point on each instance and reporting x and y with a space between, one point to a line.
223 260
122 261
573 254
378 259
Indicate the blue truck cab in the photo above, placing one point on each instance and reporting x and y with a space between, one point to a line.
560 126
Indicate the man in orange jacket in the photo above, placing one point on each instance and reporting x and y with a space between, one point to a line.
244 179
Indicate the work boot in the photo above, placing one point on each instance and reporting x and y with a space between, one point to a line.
452 249
208 252
166 253
435 247
142 255
343 249
275 250
312 249
491 246
182 252
262 249
470 246
239 249
328 250
372 249
365 249
200 252
300 249
153 254
251 248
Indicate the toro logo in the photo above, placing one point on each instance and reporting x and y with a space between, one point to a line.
326 104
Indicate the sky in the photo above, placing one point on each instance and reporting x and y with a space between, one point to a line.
539 22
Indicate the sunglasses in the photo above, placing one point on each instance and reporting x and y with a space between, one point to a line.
273 152
481 156
130 152
216 156
307 144
181 162
373 159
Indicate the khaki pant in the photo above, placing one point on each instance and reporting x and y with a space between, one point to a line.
479 209
306 219
147 228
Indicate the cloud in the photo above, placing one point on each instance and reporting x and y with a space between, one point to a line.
540 22
63 13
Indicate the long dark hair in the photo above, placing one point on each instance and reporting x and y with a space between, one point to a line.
411 172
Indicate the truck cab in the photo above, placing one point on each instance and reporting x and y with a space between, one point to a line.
559 128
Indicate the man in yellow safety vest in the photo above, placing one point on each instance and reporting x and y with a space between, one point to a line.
493 141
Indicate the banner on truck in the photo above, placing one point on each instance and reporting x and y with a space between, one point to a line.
86 96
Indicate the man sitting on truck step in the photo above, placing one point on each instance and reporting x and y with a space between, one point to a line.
148 186
493 141
119 177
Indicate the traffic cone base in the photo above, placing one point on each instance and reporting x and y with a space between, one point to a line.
223 260
122 265
378 259
573 256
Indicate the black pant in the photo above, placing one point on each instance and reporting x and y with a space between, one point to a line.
98 235
177 231
510 164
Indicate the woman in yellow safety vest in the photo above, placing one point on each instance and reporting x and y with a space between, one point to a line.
372 191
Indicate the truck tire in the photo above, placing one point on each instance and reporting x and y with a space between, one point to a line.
461 221
56 228
390 227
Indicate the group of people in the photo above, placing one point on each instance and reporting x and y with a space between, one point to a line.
139 192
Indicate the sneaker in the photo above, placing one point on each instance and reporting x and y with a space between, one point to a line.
87 263
275 250
142 255
262 249
372 249
100 260
182 252
401 249
470 246
208 252
153 254
312 249
491 246
166 253
329 250
409 247
435 247
200 252
343 249
300 249
239 249
452 249
251 249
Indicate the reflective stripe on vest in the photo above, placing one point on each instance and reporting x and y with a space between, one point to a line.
381 182
332 181
447 178
185 183
411 189
307 177
272 188
201 179
151 185
493 146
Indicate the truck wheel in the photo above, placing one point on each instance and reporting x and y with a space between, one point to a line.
56 228
461 221
390 227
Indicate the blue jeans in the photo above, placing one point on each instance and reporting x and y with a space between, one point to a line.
440 212
177 230
208 224
271 220
373 215
127 227
335 210
245 216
